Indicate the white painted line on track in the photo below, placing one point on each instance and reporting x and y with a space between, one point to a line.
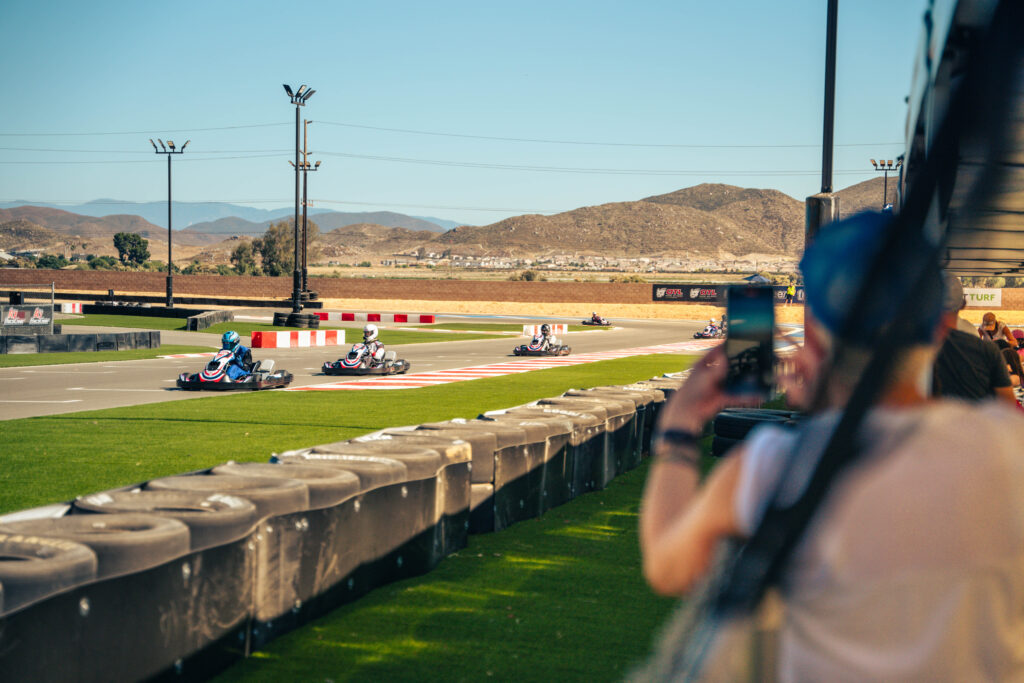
101 389
73 400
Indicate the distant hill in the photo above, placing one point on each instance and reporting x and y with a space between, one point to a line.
713 220
195 215
24 234
774 217
328 220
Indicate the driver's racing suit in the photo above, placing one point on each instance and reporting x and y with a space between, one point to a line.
375 350
241 363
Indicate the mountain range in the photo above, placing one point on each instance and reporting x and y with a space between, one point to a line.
192 215
709 219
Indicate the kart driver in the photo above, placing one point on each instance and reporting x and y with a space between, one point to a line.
595 318
241 363
545 336
374 348
711 327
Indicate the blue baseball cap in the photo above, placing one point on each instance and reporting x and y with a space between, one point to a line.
838 260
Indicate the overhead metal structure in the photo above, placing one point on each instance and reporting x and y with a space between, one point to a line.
981 206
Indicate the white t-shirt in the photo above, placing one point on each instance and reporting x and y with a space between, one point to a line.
913 568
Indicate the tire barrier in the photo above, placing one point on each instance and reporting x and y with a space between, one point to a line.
60 343
123 543
71 307
201 321
212 519
732 425
262 339
32 567
180 576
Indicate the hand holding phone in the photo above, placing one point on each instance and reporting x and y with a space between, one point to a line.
750 311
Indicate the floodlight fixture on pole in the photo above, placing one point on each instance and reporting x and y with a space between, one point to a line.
170 264
885 166
298 100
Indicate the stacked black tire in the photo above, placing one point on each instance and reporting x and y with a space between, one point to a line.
733 424
301 320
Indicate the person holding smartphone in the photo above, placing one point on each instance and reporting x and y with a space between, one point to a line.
912 566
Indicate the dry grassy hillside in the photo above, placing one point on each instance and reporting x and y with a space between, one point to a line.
623 228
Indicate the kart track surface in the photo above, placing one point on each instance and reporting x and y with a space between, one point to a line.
55 389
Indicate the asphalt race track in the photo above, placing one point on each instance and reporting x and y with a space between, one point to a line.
55 389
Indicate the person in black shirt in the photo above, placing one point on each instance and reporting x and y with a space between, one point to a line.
967 367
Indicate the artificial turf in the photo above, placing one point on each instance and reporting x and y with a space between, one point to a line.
54 458
559 598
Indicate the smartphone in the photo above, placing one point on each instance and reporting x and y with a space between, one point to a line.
750 327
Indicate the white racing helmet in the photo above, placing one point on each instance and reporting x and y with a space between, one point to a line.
370 333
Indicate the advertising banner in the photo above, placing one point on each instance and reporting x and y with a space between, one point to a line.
711 293
26 316
984 298
688 292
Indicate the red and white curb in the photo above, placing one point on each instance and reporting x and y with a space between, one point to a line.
262 339
429 379
70 307
377 317
190 355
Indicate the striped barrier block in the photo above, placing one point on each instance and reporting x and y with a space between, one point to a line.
297 339
376 317
556 328
71 307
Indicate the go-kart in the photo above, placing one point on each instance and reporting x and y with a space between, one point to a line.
601 322
214 377
358 361
539 347
710 333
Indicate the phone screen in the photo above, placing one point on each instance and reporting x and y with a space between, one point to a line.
750 325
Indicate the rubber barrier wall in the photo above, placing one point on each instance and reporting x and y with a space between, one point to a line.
58 343
176 578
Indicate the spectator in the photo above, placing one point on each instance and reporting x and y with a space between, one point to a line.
992 329
790 293
893 579
1019 336
1014 367
967 366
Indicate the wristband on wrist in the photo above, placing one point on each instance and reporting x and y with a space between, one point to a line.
676 445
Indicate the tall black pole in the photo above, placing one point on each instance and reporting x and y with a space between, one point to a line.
296 275
830 96
305 202
885 188
170 277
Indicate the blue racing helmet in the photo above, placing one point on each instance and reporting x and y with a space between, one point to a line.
230 340
837 262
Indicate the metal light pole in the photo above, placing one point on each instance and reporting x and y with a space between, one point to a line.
306 168
823 208
169 150
885 167
298 98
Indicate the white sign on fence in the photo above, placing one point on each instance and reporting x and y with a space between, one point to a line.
984 298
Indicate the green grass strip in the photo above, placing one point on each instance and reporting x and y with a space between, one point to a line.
559 598
54 458
24 360
141 322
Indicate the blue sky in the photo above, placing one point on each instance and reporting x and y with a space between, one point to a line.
676 93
